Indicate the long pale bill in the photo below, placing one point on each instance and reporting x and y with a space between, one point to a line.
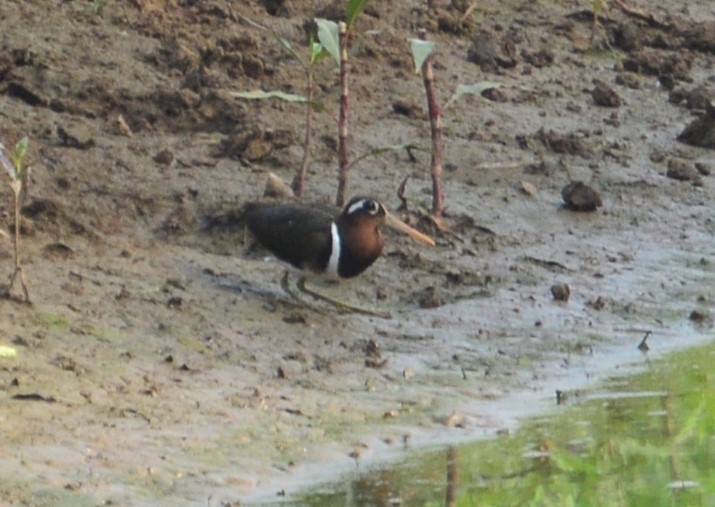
398 224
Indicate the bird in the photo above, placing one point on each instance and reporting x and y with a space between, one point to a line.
321 240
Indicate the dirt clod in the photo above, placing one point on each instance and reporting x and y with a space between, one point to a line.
605 96
429 297
561 291
578 196
76 135
683 170
490 52
701 131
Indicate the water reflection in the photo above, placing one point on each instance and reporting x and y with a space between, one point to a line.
644 440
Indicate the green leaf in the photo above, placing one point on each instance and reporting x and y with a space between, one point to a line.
288 48
355 7
421 49
260 94
317 51
7 163
475 89
20 150
329 37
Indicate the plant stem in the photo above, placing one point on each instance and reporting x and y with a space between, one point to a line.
299 180
343 155
16 245
435 116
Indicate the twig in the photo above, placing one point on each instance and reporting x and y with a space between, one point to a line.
382 149
435 116
343 155
643 346
467 13
401 193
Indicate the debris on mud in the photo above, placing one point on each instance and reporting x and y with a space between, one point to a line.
561 292
605 96
578 196
565 144
683 170
491 53
701 131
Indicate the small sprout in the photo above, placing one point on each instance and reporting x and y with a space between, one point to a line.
317 52
18 182
422 55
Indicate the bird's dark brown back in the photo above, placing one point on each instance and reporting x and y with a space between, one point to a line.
295 233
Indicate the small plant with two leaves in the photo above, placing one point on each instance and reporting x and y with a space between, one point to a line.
332 41
19 175
316 53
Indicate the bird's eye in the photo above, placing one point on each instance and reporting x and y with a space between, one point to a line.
367 206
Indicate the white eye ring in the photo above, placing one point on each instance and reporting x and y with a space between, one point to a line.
369 205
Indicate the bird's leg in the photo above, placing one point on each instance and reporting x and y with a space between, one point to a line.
303 287
294 299
286 286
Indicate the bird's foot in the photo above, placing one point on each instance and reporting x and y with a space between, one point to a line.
342 305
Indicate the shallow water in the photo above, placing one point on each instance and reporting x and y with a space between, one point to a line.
645 439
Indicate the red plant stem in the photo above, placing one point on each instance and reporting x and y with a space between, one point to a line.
435 117
343 155
298 185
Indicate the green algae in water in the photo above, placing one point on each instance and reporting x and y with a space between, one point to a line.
645 440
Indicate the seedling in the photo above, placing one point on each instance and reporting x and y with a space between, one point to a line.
354 8
18 182
333 41
316 53
422 54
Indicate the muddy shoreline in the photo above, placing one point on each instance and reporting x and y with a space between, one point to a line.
160 363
